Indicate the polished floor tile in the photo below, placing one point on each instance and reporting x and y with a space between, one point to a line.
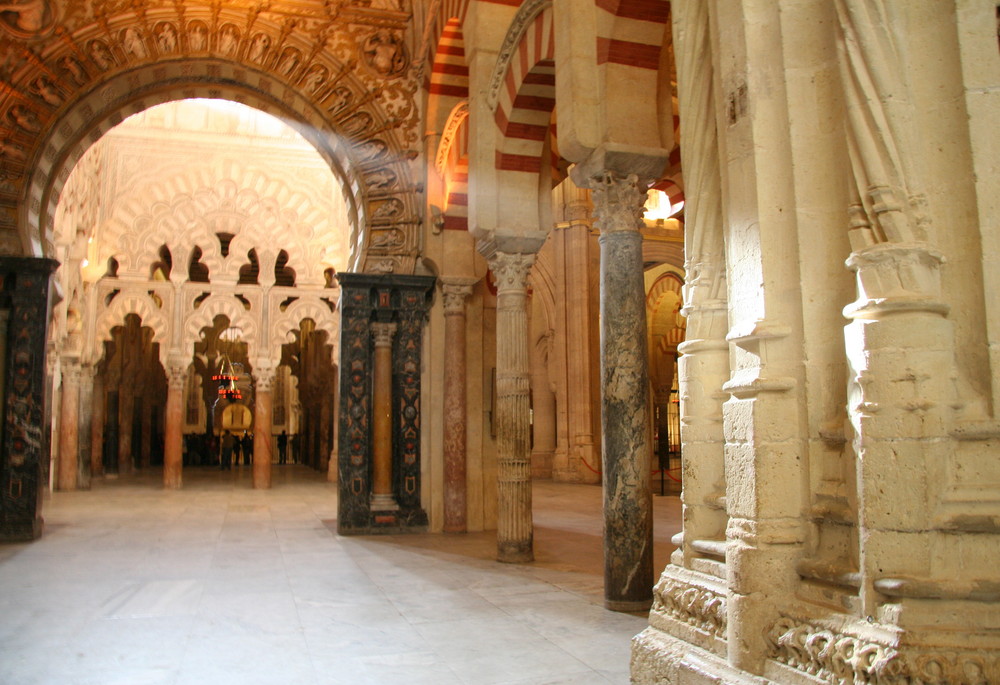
219 583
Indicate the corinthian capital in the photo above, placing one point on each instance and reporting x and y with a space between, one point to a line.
263 377
618 202
176 376
454 293
511 270
383 332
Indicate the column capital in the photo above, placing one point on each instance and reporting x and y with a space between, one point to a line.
176 376
454 292
263 377
71 369
511 270
618 202
383 331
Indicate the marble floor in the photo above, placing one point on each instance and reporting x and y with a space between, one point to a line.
222 584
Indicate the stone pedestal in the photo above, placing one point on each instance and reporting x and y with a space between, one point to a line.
455 293
628 523
367 301
25 301
173 448
262 450
69 425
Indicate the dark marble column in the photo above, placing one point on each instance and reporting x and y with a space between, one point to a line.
455 293
25 298
97 417
628 522
515 533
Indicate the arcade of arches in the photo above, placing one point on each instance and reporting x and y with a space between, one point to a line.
445 247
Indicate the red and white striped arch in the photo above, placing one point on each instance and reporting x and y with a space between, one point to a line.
449 73
527 99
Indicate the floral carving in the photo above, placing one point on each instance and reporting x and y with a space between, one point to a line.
696 606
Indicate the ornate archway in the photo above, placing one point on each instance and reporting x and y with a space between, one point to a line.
337 74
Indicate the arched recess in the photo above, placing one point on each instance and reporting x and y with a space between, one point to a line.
452 165
319 74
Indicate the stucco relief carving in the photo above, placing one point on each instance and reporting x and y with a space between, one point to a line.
696 606
385 52
27 19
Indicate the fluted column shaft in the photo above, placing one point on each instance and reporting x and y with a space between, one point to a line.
382 498
514 526
173 457
262 409
628 522
69 424
455 419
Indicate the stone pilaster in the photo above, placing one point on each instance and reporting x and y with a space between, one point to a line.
263 376
382 496
173 452
514 526
23 448
69 424
455 292
628 523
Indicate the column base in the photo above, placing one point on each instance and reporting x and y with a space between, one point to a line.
515 552
628 606
21 531
384 503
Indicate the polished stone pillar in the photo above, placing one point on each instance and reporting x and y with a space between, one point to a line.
514 526
382 497
126 416
263 383
69 424
628 522
23 449
455 292
98 412
173 442
85 422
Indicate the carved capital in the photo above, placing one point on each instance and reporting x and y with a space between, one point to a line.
510 269
382 333
176 376
618 202
263 378
71 371
454 294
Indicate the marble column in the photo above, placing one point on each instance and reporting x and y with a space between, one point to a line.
514 526
455 292
628 523
126 412
69 424
263 383
98 412
173 451
85 422
382 497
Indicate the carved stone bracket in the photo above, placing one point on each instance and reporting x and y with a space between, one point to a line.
697 606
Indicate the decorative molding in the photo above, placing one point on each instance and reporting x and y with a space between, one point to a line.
522 20
696 606
456 118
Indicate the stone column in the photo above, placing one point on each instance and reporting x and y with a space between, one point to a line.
514 527
628 522
97 415
382 497
263 382
173 439
455 292
86 424
69 424
126 411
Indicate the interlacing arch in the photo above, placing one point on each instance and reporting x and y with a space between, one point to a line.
663 303
143 306
356 108
290 320
216 305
